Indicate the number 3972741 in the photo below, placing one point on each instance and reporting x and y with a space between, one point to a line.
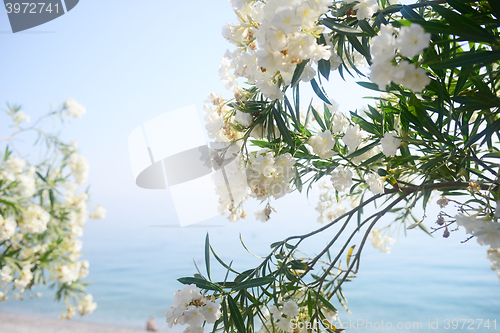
31 8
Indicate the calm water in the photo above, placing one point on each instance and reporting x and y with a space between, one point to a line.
134 268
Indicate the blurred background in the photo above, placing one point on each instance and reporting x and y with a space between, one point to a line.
129 61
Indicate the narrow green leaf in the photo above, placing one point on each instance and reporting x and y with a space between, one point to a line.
363 24
363 150
207 256
409 14
257 282
236 315
318 118
469 58
283 129
319 92
343 29
298 72
324 68
201 283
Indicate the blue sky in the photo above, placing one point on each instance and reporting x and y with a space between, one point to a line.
126 62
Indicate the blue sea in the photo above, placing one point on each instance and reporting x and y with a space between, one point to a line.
425 284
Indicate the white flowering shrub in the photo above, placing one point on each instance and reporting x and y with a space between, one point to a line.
43 213
433 71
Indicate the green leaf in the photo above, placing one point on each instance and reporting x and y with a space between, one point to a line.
461 6
363 24
369 85
464 26
343 29
236 315
283 129
318 118
324 68
207 256
203 284
363 150
359 47
319 92
469 58
495 7
298 72
257 282
409 14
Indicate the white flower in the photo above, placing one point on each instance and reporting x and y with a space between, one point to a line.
243 118
375 182
341 178
302 46
323 144
7 228
285 324
412 40
192 317
382 73
486 231
68 273
290 309
191 329
26 187
275 312
34 220
383 47
287 20
410 76
74 109
19 117
365 9
390 144
79 168
15 165
99 213
339 122
380 242
25 277
211 311
87 305
6 275
353 137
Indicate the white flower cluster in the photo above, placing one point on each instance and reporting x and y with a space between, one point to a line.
269 176
14 170
7 227
328 206
364 8
323 144
79 166
390 144
87 305
283 316
99 213
486 231
72 272
381 242
375 182
493 255
34 220
341 178
411 41
192 308
74 109
272 37
353 137
19 117
25 277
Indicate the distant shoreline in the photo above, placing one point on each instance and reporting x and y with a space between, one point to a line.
16 323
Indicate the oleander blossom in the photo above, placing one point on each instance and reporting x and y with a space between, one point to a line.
323 144
192 308
375 183
364 8
380 241
34 220
7 227
353 137
411 41
390 144
486 231
74 109
271 38
87 305
79 166
341 178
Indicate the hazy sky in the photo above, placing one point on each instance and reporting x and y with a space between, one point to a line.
126 62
